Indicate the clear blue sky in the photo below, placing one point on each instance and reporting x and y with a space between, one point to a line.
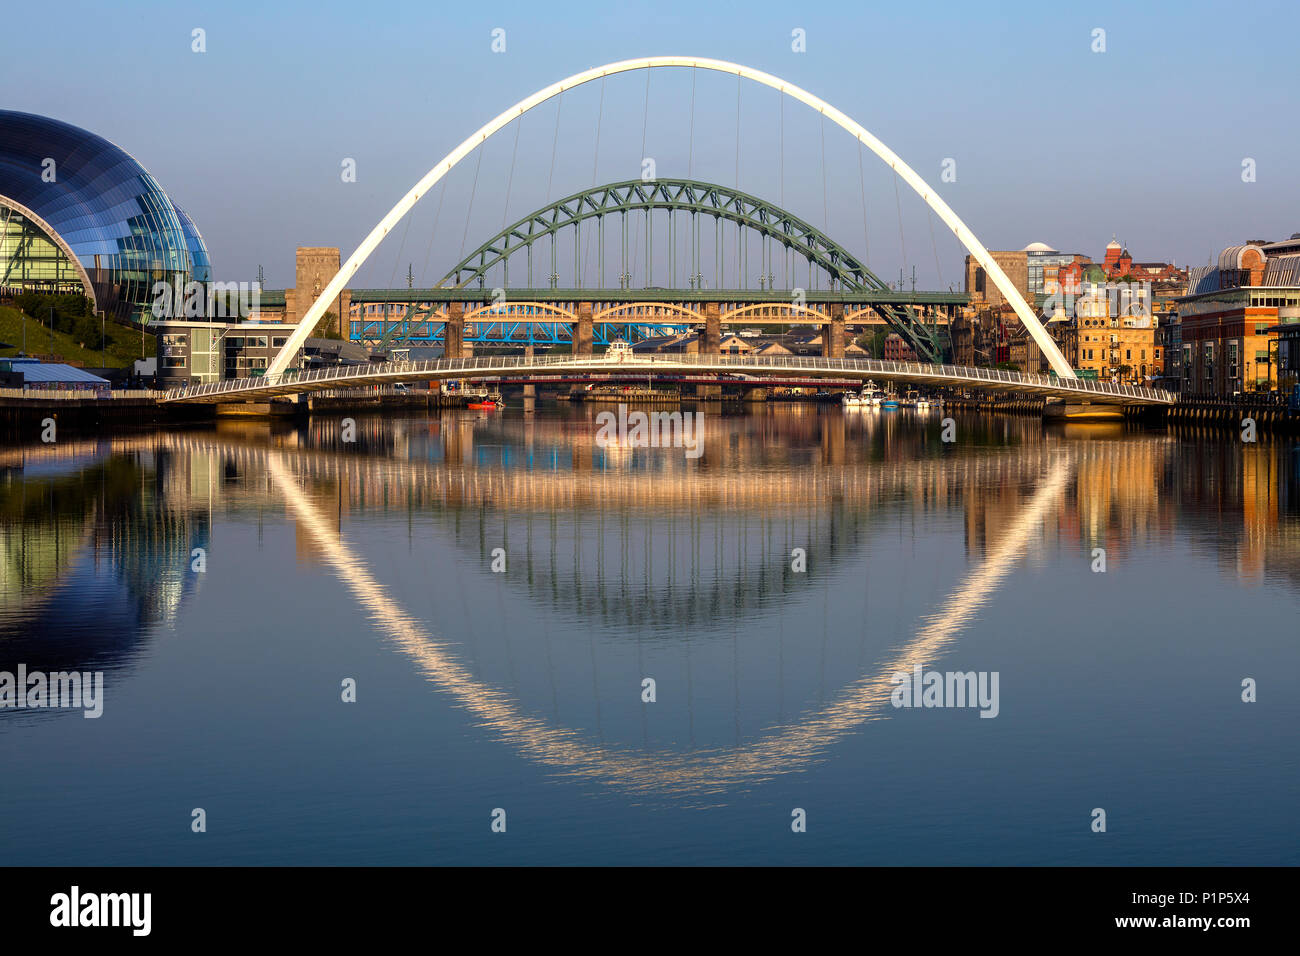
1052 141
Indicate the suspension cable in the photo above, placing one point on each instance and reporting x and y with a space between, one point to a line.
470 209
739 228
901 241
690 152
862 188
645 122
428 253
826 212
934 245
505 211
595 166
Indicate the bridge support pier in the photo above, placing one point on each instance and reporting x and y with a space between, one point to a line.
453 338
582 341
1063 411
711 344
530 391
833 333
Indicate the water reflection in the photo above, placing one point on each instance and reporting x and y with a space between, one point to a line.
97 539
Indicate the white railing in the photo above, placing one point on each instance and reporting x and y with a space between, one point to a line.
477 367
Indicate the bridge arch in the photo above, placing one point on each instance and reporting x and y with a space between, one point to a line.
649 312
497 311
672 195
950 219
779 311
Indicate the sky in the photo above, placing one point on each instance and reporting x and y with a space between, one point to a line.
1050 139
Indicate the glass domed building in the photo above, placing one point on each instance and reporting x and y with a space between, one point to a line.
79 214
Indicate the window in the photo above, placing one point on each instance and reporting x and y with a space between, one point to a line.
176 338
174 362
279 340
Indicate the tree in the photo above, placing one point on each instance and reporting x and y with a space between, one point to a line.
873 341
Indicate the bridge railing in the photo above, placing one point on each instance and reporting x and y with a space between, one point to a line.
885 368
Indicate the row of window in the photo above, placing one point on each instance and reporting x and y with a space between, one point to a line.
231 341
233 363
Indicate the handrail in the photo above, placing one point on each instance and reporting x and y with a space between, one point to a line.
446 367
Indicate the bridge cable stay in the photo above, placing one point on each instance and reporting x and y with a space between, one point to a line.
559 103
934 245
581 268
902 242
510 180
740 230
470 209
826 209
785 252
862 189
428 252
636 245
690 174
386 338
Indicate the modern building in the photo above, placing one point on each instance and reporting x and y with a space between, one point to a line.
1231 316
79 214
197 352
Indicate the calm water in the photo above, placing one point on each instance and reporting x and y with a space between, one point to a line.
372 560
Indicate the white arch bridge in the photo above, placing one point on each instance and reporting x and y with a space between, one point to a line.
280 363
743 370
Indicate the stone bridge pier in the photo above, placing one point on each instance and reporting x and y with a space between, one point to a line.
833 332
711 344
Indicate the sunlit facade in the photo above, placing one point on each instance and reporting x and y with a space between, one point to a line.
79 214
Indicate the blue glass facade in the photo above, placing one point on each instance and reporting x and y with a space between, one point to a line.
114 216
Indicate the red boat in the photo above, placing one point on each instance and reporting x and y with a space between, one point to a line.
482 406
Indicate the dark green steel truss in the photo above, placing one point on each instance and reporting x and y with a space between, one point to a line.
845 271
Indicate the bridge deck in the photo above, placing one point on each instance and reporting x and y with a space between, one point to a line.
747 369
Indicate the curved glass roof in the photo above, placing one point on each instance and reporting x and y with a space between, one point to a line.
200 264
111 212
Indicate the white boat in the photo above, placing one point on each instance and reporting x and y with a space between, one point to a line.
855 399
923 403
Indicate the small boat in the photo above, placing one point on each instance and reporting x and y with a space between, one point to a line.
890 401
910 397
855 399
488 406
923 404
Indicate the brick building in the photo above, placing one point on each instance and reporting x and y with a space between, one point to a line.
1231 317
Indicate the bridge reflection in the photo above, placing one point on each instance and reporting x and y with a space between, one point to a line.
97 539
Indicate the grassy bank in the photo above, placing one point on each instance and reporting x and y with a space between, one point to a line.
123 342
